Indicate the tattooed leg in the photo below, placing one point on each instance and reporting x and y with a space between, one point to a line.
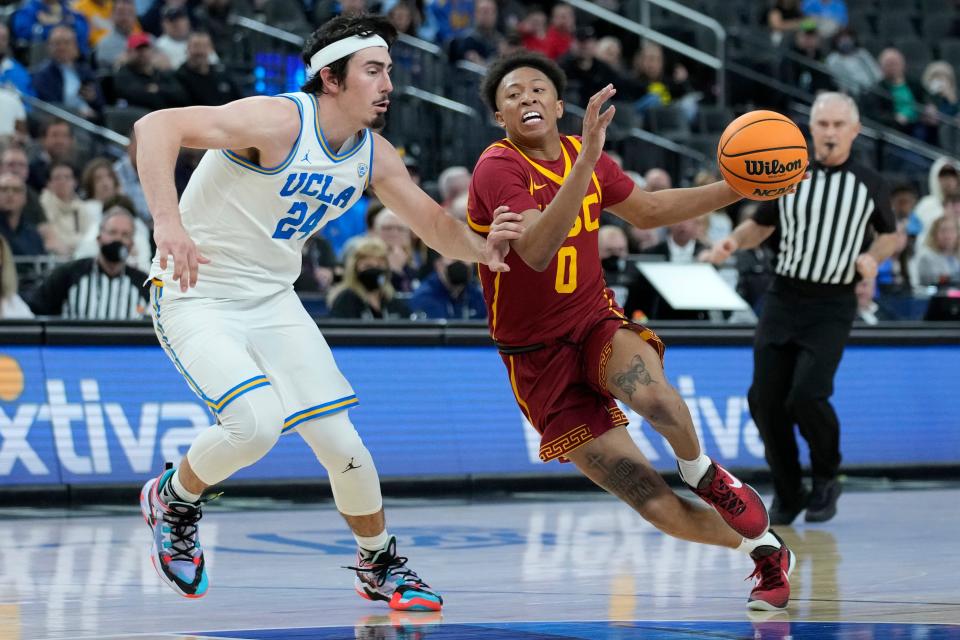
635 377
614 463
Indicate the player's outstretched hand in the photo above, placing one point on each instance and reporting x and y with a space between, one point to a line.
719 252
506 226
172 240
595 124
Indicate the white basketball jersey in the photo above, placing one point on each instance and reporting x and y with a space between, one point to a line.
252 221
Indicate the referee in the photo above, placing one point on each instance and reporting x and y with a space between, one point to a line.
834 230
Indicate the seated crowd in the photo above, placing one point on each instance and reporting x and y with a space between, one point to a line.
75 233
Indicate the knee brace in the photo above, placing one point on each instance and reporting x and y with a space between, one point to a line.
245 431
353 476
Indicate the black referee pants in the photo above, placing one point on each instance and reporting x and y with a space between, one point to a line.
797 349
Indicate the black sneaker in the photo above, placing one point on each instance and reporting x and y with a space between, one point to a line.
783 514
823 502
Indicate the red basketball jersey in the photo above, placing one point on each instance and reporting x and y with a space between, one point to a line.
525 306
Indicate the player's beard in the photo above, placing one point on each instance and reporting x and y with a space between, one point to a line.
378 123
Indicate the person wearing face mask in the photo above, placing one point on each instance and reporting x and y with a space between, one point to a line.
450 292
98 288
366 292
854 68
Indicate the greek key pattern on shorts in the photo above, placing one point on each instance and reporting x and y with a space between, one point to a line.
565 443
618 417
604 357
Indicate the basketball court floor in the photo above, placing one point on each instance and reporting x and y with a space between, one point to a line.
527 567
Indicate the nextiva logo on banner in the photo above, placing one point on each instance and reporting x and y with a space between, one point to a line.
115 414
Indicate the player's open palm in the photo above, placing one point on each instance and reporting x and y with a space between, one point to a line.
595 124
506 226
172 241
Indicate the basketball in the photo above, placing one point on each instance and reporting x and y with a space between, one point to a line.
762 154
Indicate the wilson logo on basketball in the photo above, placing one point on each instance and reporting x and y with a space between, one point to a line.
772 168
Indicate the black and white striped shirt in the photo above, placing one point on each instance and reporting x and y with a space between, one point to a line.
828 222
80 290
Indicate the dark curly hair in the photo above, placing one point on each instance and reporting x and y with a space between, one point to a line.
337 29
502 66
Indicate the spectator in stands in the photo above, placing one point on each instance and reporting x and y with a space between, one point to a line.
451 292
98 288
681 245
783 17
938 259
533 29
587 73
869 311
113 46
318 267
20 234
639 240
893 274
610 51
480 42
140 255
943 179
216 18
12 306
13 115
654 86
657 179
204 82
66 213
366 292
940 83
323 10
142 84
405 18
65 79
12 73
563 24
899 102
98 14
56 145
806 44
903 201
404 266
855 68
445 20
831 15
98 183
14 160
36 19
126 170
452 182
173 42
620 274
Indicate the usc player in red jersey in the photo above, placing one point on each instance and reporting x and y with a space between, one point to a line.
568 349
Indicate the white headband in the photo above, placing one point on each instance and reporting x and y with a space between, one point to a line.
341 49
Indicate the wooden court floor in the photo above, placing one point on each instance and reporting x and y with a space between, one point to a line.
530 567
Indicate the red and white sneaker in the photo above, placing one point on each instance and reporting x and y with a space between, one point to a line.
385 576
737 503
773 569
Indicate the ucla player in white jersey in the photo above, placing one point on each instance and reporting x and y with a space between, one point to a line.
276 171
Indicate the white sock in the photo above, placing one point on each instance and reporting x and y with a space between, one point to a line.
373 544
692 471
174 490
748 546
